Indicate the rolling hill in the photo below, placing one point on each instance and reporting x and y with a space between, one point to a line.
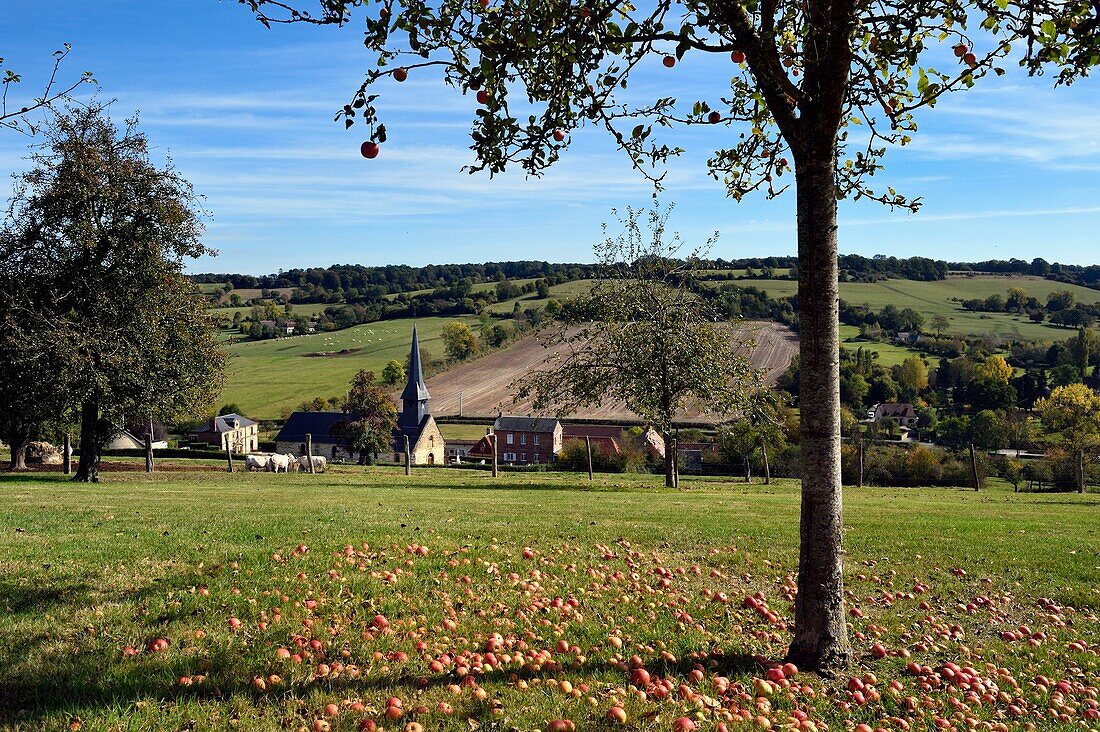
943 297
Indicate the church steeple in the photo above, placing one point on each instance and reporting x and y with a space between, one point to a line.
414 400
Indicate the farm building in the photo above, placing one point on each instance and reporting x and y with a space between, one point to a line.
228 431
415 425
123 439
323 428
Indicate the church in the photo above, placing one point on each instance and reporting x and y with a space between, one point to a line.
415 421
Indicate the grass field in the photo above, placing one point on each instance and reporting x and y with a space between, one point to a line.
266 377
477 287
935 298
166 602
560 293
307 309
889 354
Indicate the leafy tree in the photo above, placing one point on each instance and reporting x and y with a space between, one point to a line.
642 337
1061 300
818 89
986 393
758 430
103 232
230 408
371 417
1071 415
32 394
912 376
459 341
994 368
393 373
542 288
954 431
988 430
940 324
1016 300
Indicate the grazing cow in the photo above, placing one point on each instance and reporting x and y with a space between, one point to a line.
256 462
280 462
318 463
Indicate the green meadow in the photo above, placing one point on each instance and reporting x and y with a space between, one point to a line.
942 297
361 599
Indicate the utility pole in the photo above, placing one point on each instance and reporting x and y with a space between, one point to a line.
408 457
309 452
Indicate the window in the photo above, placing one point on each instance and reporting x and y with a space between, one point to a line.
536 457
523 457
509 457
538 441
523 439
508 439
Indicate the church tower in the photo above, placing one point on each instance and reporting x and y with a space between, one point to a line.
415 398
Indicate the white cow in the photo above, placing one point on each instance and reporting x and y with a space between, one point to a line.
318 463
279 462
256 462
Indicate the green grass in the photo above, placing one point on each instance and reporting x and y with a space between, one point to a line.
935 298
562 292
889 354
266 377
91 570
463 431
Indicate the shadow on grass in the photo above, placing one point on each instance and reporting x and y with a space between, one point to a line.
20 597
85 684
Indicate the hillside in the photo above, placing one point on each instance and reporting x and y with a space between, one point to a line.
943 297
266 377
484 386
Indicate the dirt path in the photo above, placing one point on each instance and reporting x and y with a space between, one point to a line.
484 387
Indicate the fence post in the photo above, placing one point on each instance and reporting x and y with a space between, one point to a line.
974 466
859 475
495 467
588 447
67 456
149 448
309 452
229 456
408 457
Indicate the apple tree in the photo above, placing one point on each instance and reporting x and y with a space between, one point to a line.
817 90
96 235
17 115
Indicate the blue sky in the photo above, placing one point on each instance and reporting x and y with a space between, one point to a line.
1008 170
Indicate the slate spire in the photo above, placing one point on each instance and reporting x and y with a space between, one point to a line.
414 400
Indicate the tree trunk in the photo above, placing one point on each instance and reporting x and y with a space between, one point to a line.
767 468
747 465
67 455
820 635
1080 471
670 453
87 470
309 452
18 459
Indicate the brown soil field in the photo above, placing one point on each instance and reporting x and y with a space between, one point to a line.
484 386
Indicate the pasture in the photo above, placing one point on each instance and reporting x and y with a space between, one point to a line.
935 298
452 601
266 377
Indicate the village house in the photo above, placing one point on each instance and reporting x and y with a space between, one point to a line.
324 431
228 431
416 430
527 440
903 414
